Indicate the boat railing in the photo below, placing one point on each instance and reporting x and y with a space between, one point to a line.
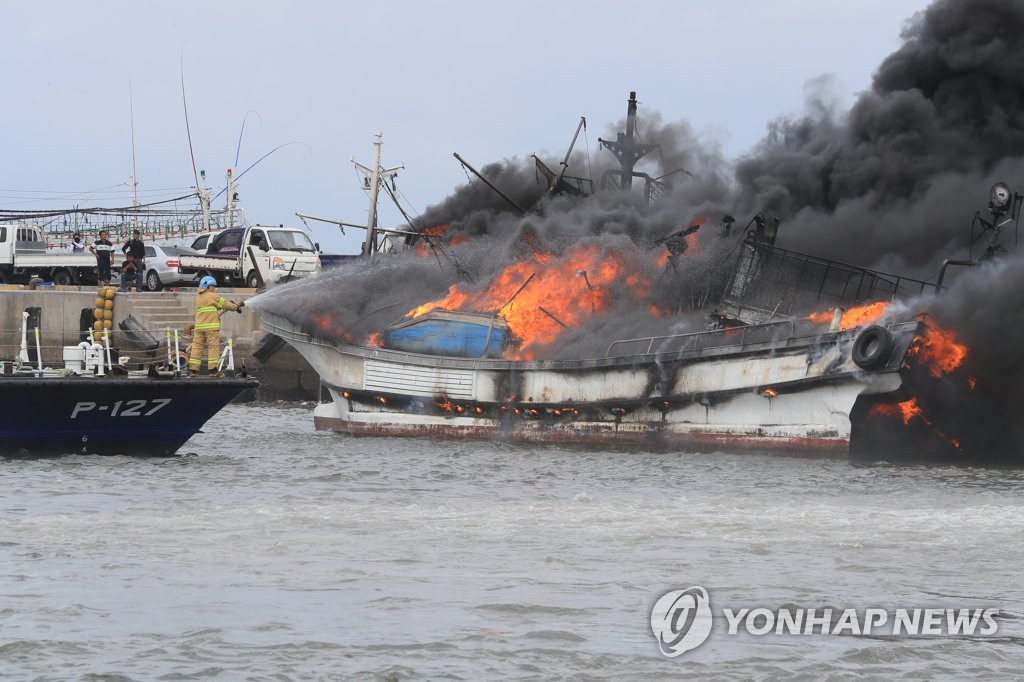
779 336
736 336
769 277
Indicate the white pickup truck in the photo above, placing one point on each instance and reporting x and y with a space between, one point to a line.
245 255
23 255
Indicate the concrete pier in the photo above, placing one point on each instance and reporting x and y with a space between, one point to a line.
283 374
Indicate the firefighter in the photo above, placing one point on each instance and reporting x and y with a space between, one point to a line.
209 305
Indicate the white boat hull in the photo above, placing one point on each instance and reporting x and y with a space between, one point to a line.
790 394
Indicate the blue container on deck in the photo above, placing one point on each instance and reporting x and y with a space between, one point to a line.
451 333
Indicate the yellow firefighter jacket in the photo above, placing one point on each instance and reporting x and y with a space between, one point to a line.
208 303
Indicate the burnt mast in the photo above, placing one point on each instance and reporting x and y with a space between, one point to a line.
626 149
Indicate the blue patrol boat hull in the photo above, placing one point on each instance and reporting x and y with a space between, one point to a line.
93 415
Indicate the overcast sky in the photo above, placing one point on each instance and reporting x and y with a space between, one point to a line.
485 81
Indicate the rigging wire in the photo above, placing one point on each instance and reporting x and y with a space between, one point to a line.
590 170
253 165
188 130
238 149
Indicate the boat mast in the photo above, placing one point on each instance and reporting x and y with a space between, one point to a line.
204 200
626 148
135 181
230 208
372 179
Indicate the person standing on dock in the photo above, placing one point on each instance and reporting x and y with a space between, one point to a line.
137 249
77 245
104 252
209 305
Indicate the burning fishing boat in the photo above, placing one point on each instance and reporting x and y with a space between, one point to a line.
609 342
792 352
785 384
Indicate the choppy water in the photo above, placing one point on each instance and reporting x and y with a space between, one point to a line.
277 552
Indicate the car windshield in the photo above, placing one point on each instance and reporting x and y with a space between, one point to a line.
290 240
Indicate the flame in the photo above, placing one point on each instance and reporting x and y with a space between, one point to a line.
326 324
657 311
939 350
565 290
437 232
854 317
375 339
906 410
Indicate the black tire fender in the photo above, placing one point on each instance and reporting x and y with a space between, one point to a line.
62 277
872 348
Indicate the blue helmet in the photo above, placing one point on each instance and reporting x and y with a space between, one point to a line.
207 282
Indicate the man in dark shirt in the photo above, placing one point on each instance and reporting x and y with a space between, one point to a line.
130 277
104 252
135 247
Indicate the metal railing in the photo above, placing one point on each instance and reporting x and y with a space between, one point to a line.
692 340
770 277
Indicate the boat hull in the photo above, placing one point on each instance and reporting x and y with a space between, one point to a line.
782 394
748 422
90 415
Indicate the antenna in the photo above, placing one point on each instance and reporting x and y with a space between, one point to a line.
135 181
131 114
188 130
238 149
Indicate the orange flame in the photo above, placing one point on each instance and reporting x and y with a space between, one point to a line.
854 317
326 324
375 340
907 410
564 291
939 350
437 232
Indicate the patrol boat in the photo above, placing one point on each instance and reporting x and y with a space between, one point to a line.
94 406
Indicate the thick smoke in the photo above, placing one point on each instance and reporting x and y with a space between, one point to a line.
898 177
891 184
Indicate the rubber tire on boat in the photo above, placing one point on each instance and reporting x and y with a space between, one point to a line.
153 281
872 347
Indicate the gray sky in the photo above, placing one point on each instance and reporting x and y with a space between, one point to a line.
487 81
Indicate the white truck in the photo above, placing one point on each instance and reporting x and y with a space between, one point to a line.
244 256
23 255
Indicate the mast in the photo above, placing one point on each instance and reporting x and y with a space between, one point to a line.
490 184
204 200
372 179
135 181
626 148
230 207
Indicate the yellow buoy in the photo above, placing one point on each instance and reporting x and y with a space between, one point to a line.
109 293
108 314
108 305
97 314
99 302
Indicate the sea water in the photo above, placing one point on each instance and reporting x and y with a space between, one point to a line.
270 551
